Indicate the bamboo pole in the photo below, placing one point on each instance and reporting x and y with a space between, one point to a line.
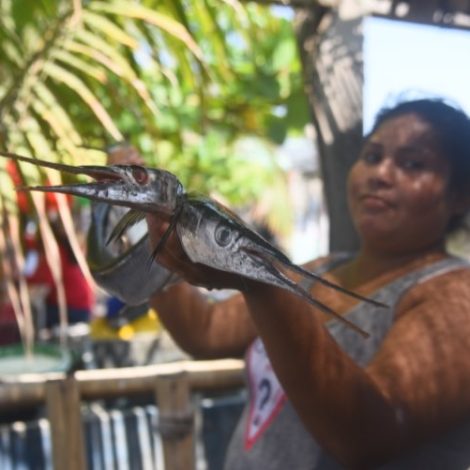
171 384
176 420
30 389
63 411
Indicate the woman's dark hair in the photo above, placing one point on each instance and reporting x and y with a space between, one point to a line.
452 129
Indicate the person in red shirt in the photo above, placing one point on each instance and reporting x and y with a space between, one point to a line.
79 294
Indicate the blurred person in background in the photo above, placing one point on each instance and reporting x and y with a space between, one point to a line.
80 298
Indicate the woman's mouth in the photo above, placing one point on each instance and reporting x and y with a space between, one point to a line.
376 203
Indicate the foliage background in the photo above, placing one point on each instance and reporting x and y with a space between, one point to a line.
187 82
204 88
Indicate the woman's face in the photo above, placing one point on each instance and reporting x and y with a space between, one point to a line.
398 189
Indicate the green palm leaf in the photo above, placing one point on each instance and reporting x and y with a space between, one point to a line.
76 84
165 23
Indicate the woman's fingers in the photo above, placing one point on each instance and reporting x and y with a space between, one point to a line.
156 228
173 257
170 254
124 154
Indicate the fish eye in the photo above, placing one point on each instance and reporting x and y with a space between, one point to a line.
223 235
140 174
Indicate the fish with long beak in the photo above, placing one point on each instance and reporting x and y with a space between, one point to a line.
130 186
209 233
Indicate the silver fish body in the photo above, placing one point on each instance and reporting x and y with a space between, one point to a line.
212 236
117 267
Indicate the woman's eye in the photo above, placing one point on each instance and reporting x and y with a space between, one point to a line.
371 157
223 235
412 164
140 174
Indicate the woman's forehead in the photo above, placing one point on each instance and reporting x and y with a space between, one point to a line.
405 129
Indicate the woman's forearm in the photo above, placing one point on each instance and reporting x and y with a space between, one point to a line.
339 403
203 328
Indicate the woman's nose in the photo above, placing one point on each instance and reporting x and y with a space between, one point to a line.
383 173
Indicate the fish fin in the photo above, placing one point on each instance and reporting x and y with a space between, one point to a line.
296 289
332 285
129 219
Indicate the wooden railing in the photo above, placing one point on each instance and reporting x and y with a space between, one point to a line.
172 385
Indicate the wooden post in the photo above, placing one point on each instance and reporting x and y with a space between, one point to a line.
63 410
176 423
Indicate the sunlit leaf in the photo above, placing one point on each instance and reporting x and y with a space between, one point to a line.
77 85
54 113
73 61
168 24
109 29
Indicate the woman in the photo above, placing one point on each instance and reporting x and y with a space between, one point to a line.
322 396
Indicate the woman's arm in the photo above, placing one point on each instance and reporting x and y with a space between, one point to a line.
203 328
416 386
362 417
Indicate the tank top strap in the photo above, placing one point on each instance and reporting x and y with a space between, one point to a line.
377 321
392 292
397 288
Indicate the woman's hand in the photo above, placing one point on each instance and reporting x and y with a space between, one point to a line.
172 255
124 154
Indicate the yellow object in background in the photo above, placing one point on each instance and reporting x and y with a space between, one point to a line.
100 328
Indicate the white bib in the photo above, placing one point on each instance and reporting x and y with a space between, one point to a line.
267 395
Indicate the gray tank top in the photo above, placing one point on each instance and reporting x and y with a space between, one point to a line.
283 442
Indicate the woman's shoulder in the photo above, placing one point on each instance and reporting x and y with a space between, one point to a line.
452 275
448 289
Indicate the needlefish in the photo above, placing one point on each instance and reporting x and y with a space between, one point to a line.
209 233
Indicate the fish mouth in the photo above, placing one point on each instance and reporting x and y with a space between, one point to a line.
112 183
102 173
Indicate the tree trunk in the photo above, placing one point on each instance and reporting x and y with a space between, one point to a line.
331 54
